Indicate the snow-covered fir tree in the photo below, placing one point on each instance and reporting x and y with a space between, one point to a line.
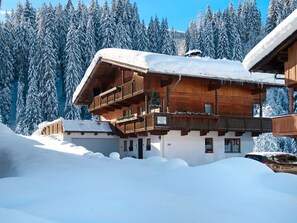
32 115
6 74
107 27
73 73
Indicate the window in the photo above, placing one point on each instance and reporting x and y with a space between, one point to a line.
125 145
208 108
140 110
208 145
127 112
148 144
131 145
232 145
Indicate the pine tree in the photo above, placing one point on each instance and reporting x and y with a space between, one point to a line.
47 64
271 21
33 105
209 41
142 38
90 48
223 47
73 73
107 28
122 38
237 52
20 103
6 74
152 36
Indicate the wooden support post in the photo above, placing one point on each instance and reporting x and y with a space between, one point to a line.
216 103
291 94
167 98
145 104
261 109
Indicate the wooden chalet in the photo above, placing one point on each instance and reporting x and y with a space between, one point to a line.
277 53
145 94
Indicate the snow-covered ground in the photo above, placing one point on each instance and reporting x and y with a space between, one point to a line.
46 181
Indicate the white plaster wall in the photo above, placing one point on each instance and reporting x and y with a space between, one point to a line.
92 142
191 147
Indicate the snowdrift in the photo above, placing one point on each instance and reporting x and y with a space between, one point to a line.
46 181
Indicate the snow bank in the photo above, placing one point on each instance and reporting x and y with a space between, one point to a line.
51 185
285 29
201 67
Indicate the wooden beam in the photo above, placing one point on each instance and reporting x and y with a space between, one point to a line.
291 95
158 132
143 134
261 105
258 90
184 132
216 103
282 56
255 134
166 82
222 133
132 135
214 86
203 132
239 133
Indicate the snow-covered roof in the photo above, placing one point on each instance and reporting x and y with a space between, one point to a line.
284 30
81 125
146 62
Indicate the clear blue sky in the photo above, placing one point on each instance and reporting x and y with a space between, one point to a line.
178 12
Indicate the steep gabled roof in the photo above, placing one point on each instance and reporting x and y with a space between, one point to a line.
153 63
264 56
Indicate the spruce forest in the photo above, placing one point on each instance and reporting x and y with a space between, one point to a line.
45 52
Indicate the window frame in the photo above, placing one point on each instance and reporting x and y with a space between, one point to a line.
232 144
211 107
125 145
211 150
148 144
131 145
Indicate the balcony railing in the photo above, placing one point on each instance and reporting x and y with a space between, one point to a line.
117 95
163 122
285 125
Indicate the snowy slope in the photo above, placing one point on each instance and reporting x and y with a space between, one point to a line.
271 41
146 62
41 183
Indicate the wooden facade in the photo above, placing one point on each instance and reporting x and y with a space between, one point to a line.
124 97
291 66
283 60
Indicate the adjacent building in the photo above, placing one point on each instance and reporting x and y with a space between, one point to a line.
197 109
277 53
93 135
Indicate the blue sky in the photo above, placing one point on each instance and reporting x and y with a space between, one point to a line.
178 12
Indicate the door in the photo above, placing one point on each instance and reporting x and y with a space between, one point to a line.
140 148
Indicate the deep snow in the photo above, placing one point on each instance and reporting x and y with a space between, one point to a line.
46 180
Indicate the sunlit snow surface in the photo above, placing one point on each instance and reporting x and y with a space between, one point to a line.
50 181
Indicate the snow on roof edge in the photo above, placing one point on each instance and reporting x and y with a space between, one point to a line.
79 125
147 62
279 34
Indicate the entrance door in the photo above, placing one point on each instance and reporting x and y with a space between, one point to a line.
140 148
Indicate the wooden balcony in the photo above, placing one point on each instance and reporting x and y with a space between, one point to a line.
285 125
118 97
161 123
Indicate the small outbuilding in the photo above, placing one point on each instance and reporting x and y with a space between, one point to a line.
96 136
